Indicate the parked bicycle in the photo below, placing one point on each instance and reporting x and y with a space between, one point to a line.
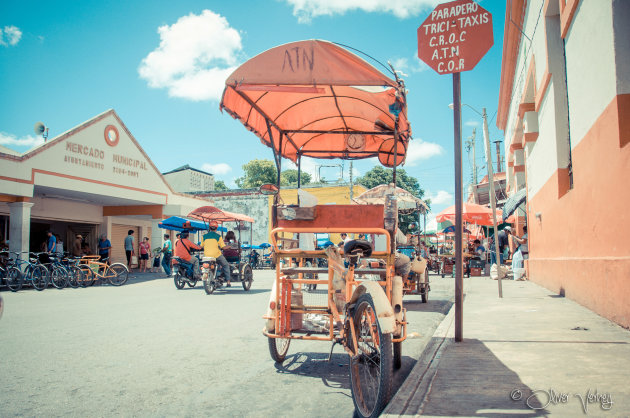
116 274
21 271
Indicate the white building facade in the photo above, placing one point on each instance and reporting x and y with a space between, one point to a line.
93 179
565 108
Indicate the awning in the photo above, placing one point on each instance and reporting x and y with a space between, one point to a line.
314 98
211 213
471 212
176 223
513 202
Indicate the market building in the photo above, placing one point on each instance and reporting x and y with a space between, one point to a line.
93 179
564 106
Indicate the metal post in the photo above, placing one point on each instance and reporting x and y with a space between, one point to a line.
299 174
459 276
395 151
492 198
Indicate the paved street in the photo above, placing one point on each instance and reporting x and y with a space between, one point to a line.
147 349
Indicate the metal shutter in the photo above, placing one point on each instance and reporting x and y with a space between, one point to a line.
119 233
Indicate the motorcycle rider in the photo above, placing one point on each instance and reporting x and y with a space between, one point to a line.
212 246
183 250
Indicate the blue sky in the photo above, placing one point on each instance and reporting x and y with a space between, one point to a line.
161 65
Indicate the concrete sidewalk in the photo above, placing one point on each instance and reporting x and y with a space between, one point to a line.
531 353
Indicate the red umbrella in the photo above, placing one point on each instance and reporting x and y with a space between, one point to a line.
471 213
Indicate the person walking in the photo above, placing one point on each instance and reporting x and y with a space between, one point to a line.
167 251
104 246
129 247
145 249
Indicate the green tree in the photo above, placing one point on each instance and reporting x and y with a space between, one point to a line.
379 175
257 173
220 185
290 178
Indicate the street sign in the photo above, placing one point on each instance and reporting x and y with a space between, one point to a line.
455 36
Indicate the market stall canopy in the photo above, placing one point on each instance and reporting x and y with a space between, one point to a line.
314 98
211 213
407 202
176 223
513 202
471 212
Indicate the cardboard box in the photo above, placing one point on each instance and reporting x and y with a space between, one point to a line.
475 271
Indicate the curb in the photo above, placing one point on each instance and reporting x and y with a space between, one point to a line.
410 398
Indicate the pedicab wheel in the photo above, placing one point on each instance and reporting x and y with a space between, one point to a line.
179 281
208 286
278 348
117 274
14 279
372 368
397 350
247 276
39 276
59 277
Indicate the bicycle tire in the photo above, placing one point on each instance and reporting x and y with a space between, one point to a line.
371 370
75 276
278 348
117 274
14 279
39 277
59 277
86 278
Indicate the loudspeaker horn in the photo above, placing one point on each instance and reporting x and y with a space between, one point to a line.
39 128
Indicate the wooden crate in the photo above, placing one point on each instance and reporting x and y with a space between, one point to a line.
475 271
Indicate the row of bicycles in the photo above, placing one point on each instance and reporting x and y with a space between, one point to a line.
39 270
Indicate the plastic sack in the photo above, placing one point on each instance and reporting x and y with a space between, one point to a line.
493 272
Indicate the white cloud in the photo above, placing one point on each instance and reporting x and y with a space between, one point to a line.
196 54
10 35
216 169
306 10
406 65
421 150
442 197
472 123
25 141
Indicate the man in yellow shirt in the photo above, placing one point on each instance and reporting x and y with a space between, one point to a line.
212 245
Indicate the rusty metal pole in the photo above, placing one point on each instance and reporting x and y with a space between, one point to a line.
457 148
492 197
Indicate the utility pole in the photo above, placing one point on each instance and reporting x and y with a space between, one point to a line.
498 148
493 204
474 162
351 191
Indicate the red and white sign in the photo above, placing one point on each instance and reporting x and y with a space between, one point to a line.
455 36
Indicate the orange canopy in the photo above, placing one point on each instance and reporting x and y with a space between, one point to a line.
314 98
210 213
471 213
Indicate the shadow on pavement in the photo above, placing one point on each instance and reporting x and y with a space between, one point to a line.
472 381
416 305
334 374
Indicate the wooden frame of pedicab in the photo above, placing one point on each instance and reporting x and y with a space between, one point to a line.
316 99
212 213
